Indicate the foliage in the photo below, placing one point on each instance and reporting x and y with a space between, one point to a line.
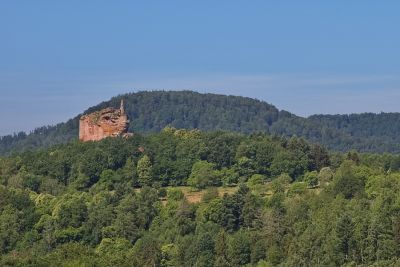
311 178
144 171
203 175
91 204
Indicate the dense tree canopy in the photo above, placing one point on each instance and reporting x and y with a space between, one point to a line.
252 200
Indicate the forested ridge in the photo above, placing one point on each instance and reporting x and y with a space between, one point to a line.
152 111
265 201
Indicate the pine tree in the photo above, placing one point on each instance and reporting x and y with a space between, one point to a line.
144 170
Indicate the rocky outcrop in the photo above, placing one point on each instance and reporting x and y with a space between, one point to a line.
109 122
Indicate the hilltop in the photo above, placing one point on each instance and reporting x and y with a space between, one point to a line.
152 111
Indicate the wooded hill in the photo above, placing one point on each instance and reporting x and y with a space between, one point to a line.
152 111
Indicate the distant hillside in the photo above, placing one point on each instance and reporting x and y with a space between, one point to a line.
367 132
152 111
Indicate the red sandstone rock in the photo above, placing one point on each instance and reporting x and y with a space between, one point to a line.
109 122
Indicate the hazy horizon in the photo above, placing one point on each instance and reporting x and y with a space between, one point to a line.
58 59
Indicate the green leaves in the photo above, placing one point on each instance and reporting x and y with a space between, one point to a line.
145 171
203 175
91 204
346 182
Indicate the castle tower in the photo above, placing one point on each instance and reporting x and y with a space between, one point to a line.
122 108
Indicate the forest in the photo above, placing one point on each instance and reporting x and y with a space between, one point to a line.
260 200
152 111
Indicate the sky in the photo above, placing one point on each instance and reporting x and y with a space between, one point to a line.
57 58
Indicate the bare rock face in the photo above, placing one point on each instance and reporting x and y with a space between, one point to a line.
109 122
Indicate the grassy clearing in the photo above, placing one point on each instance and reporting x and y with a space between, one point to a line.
195 196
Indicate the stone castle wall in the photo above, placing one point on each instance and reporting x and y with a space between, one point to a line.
108 122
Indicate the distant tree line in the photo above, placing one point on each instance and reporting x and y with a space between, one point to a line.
152 111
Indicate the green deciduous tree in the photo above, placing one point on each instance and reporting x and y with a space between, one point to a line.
203 175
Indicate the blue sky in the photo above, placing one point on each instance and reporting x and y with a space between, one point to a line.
58 58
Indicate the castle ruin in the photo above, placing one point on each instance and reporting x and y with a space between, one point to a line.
108 122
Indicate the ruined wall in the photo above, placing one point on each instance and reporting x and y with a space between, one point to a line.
108 122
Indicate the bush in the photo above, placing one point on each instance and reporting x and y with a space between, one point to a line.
162 192
311 178
298 188
175 194
210 194
255 179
